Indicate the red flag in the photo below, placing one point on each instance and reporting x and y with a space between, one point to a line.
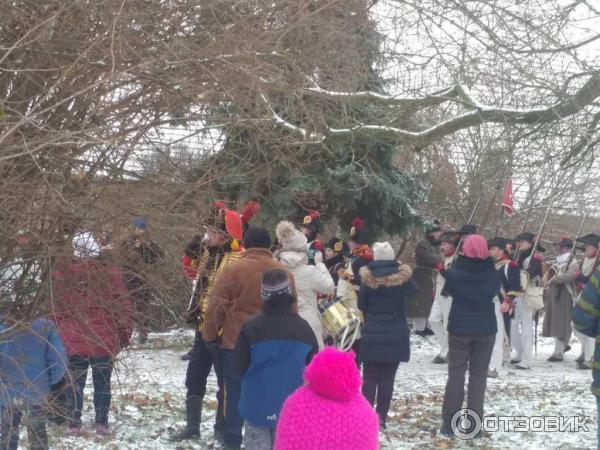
507 199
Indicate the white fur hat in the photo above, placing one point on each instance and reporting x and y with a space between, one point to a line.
289 237
383 251
85 246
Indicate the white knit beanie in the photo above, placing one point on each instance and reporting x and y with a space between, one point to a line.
85 246
289 237
383 251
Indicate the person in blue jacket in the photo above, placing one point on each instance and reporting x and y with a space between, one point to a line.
32 361
586 320
271 353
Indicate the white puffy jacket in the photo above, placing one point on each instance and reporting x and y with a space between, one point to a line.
310 282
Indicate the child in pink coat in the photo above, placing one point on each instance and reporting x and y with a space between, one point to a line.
329 411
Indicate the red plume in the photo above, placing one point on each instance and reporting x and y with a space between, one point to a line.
358 223
220 204
314 214
250 210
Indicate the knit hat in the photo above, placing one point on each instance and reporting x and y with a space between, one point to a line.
383 251
328 412
289 237
85 246
139 222
256 237
275 282
475 246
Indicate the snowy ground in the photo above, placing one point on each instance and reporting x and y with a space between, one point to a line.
149 391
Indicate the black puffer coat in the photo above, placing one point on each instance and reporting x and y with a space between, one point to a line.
385 287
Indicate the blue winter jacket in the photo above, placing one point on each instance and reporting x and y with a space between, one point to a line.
586 319
271 353
472 284
31 360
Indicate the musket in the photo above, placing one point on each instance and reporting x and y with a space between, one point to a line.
572 255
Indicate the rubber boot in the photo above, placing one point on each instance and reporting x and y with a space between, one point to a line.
193 413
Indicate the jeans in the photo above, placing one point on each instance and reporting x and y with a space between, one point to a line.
378 381
197 373
473 352
258 438
35 421
233 386
102 368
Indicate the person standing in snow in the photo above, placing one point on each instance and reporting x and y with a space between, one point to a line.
521 331
385 288
335 257
440 310
558 300
235 298
311 281
586 320
271 353
205 260
427 256
32 361
94 314
591 243
510 280
138 254
472 281
328 412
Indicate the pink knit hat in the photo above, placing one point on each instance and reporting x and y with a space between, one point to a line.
329 412
475 246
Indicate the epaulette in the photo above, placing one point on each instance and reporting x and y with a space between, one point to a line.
538 256
514 264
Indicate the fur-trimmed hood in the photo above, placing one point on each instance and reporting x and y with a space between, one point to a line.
385 274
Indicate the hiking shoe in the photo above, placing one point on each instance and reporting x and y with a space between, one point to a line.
554 358
102 430
439 360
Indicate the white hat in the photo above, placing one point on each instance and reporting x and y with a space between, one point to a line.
383 251
85 246
289 237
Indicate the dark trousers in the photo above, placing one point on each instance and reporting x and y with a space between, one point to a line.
474 353
233 386
198 369
378 382
35 421
102 368
141 302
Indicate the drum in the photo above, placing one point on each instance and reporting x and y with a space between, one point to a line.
341 322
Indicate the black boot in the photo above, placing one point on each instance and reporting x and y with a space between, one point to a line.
193 413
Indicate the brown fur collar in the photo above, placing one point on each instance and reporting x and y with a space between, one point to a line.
396 279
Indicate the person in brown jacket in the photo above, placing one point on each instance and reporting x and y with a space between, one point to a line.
235 298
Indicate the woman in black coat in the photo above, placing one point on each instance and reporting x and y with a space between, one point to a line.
385 342
472 281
